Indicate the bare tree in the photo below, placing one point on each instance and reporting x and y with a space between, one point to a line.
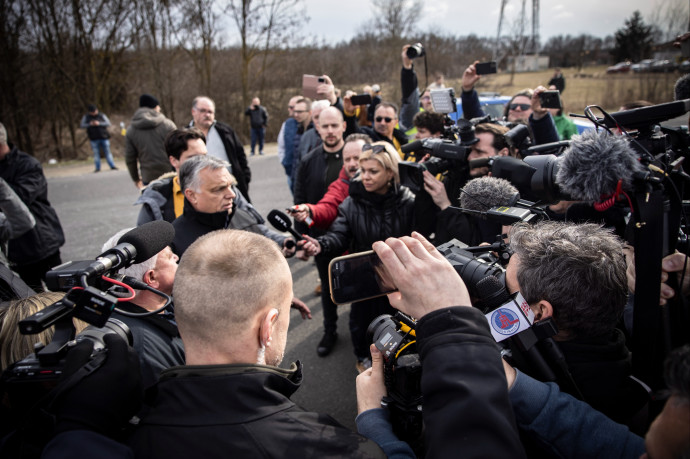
396 18
671 18
264 27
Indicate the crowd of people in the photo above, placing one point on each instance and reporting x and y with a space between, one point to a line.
209 361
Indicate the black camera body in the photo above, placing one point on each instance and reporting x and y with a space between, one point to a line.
415 51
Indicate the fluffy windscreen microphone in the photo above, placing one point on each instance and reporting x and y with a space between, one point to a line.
593 165
481 194
149 239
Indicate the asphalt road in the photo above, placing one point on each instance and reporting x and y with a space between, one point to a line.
92 207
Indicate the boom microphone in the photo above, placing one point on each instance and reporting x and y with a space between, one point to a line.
593 165
282 222
135 246
481 194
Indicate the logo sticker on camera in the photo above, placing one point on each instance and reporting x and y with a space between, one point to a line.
511 318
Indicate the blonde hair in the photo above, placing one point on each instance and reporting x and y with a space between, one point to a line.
13 345
388 158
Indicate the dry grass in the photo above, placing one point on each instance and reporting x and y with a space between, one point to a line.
591 86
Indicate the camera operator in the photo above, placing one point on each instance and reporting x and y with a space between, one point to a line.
428 125
576 274
451 223
466 407
155 338
410 95
524 107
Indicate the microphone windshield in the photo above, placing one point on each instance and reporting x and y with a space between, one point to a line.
149 238
591 167
279 220
481 194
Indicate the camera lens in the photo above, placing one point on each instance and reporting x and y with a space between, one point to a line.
416 50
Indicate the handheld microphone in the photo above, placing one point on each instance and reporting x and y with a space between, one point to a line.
594 163
507 314
135 246
282 222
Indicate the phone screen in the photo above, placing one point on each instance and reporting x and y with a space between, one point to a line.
484 68
358 277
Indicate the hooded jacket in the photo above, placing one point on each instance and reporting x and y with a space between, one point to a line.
145 144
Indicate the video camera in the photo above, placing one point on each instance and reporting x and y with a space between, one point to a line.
446 154
86 299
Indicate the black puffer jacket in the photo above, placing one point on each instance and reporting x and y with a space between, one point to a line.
364 218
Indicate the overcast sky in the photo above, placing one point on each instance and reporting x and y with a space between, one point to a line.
334 22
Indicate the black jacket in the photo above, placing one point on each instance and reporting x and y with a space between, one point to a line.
239 411
601 368
191 225
364 218
467 412
25 175
311 183
156 340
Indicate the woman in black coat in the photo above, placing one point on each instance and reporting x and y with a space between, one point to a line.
377 208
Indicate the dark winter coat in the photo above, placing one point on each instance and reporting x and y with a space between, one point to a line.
24 174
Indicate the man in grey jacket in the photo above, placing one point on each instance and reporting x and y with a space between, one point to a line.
144 142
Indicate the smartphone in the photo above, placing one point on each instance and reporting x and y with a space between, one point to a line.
361 99
484 68
357 277
309 85
550 99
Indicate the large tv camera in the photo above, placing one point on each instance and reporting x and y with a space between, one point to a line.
88 298
448 153
634 164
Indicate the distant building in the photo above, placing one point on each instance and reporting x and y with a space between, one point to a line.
529 63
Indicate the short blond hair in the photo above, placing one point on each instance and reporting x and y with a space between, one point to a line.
388 158
224 279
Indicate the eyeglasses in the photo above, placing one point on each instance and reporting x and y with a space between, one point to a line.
426 98
375 149
299 111
522 107
382 118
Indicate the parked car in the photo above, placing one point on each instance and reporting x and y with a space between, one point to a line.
643 66
621 67
684 66
663 66
491 102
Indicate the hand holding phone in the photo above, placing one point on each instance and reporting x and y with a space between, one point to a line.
358 277
550 99
485 68
361 99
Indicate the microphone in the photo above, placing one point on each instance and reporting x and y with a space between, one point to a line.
135 246
507 315
481 194
594 163
282 222
493 198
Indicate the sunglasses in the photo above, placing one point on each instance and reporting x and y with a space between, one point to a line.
522 107
375 149
382 118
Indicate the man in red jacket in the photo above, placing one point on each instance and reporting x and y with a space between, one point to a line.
324 212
